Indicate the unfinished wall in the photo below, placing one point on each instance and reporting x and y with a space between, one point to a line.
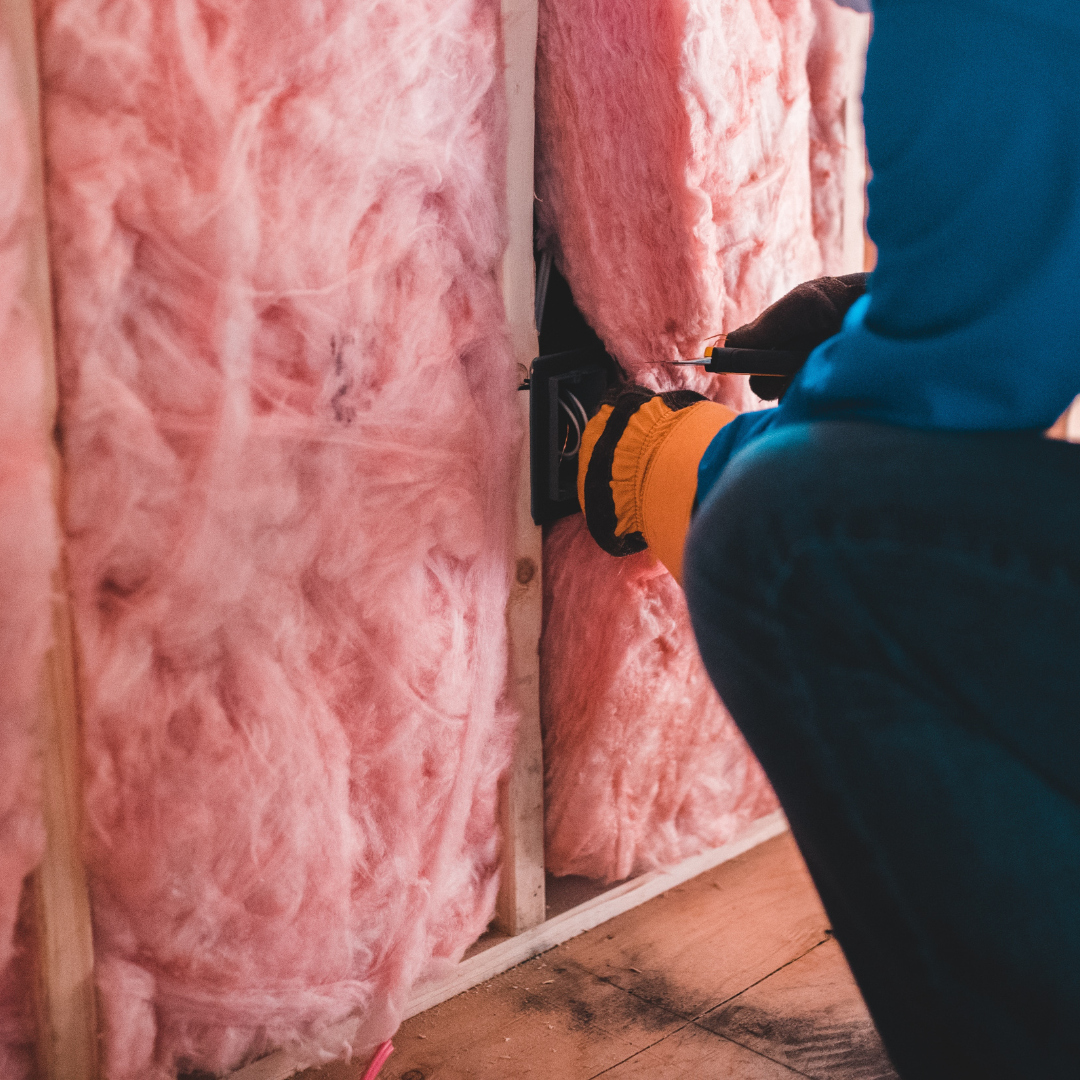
690 171
286 399
27 555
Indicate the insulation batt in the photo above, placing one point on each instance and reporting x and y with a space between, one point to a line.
28 543
689 172
287 404
645 767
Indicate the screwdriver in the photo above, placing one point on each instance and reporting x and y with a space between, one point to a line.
719 360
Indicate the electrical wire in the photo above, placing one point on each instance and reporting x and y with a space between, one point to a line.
379 1060
580 408
573 420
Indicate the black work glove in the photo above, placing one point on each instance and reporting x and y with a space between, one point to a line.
798 322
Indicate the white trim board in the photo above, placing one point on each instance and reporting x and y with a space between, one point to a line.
336 1041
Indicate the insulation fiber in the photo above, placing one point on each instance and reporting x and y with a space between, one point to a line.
287 406
645 767
834 60
689 162
690 171
28 538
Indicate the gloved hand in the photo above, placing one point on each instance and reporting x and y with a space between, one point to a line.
637 469
798 322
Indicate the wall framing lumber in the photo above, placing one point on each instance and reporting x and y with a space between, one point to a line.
65 996
520 903
67 1003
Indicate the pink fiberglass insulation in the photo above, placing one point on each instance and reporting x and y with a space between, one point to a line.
18 1018
676 171
27 555
287 407
834 61
644 765
689 172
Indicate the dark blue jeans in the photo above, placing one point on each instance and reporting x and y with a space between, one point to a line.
893 619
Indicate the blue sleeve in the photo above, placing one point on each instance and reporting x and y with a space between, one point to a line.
971 321
729 441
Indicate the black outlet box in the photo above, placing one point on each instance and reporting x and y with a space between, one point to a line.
564 390
566 381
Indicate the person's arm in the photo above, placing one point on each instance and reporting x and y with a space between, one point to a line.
647 459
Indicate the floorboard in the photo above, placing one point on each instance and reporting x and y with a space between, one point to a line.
808 1015
733 974
545 1019
710 938
697 1053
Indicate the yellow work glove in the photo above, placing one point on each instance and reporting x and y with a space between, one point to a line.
637 470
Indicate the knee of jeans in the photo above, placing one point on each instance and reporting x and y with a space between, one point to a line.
763 499
758 486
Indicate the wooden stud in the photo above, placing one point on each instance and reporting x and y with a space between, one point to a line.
67 1007
67 1004
520 903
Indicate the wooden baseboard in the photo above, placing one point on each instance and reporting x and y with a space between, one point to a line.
333 1043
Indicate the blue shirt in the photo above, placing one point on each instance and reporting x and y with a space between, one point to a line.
972 318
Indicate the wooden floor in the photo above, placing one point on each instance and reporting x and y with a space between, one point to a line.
732 975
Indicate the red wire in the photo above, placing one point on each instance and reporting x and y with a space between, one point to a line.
379 1060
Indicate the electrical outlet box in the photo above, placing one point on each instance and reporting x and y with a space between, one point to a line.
564 391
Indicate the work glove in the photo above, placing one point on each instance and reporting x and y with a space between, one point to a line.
639 455
798 322
637 469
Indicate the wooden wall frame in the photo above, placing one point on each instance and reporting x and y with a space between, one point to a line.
520 904
65 997
67 1004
